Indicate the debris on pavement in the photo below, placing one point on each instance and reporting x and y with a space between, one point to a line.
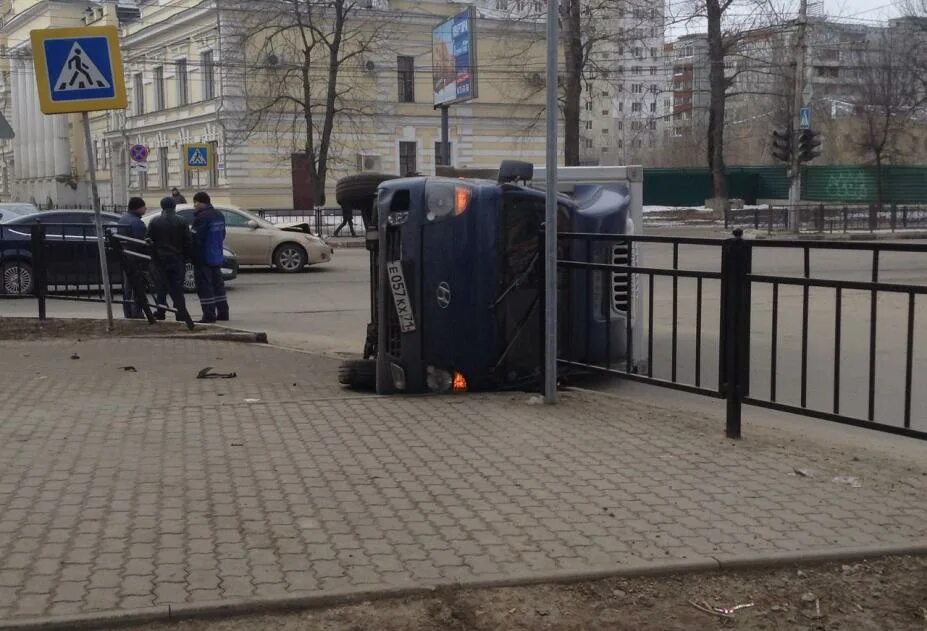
75 356
252 400
129 368
206 374
808 597
848 480
706 608
535 400
803 473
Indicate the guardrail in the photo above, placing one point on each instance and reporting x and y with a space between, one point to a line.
830 219
322 221
740 350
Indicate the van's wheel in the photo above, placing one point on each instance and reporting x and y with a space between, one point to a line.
358 374
17 278
359 192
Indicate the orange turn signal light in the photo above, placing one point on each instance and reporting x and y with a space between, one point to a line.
460 383
462 196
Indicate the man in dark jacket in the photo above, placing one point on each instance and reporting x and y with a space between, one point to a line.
133 283
172 247
178 197
208 237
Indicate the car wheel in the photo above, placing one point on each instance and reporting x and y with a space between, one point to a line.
17 278
359 192
358 374
189 279
290 258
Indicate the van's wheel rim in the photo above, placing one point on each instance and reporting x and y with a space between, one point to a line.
290 258
17 280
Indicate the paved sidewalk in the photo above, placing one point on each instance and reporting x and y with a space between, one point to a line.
124 490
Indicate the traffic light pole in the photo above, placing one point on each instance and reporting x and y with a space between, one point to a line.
798 103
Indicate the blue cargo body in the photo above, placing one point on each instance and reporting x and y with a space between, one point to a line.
458 283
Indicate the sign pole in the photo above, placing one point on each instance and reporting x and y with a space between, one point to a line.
445 136
550 213
98 221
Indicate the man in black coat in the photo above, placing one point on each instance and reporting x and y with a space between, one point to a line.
133 284
171 248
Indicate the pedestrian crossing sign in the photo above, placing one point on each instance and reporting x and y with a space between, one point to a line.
197 157
78 69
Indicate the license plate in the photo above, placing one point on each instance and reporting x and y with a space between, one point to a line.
397 285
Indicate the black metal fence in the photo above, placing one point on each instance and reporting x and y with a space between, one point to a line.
61 261
722 328
821 218
322 221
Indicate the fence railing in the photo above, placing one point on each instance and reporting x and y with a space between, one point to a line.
322 221
61 262
823 218
817 333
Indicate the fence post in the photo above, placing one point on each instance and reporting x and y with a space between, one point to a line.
894 216
845 212
820 218
39 275
873 218
904 216
735 263
770 218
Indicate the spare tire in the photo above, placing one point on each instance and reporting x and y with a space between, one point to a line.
358 374
358 192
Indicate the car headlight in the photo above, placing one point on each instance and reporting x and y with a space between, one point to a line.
228 253
443 199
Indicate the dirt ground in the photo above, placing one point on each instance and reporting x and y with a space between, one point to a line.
79 328
884 595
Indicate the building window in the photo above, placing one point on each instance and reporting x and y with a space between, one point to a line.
406 67
183 88
142 179
653 71
653 107
604 112
208 66
138 93
653 52
214 165
158 88
605 132
439 161
588 124
635 107
588 143
637 88
162 167
620 106
407 162
588 106
620 125
653 125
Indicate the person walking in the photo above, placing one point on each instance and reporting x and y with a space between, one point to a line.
208 237
347 219
178 197
133 281
171 248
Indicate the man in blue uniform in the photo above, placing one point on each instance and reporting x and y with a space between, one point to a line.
171 248
208 237
133 285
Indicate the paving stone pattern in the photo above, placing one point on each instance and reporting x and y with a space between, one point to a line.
121 490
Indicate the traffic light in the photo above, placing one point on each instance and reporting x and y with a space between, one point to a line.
782 144
809 145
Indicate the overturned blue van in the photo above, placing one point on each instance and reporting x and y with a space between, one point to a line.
457 277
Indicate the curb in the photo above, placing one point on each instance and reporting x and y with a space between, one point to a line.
346 244
301 602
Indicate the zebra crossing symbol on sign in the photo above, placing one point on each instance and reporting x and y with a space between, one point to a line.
80 73
78 69
197 157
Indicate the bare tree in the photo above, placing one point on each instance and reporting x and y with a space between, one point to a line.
302 73
886 99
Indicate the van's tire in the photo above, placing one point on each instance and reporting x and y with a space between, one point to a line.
358 192
358 374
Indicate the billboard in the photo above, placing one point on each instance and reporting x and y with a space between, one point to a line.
454 59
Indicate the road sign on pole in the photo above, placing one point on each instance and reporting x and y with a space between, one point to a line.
78 69
804 119
139 153
197 157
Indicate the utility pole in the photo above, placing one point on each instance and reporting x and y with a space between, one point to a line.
798 103
550 210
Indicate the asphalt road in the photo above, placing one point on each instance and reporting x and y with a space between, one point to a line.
325 309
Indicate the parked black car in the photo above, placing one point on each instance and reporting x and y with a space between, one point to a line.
72 260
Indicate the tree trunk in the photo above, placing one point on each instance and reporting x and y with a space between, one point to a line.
716 104
331 96
880 192
573 57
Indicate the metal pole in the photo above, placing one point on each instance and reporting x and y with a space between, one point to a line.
550 212
445 136
797 103
98 222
